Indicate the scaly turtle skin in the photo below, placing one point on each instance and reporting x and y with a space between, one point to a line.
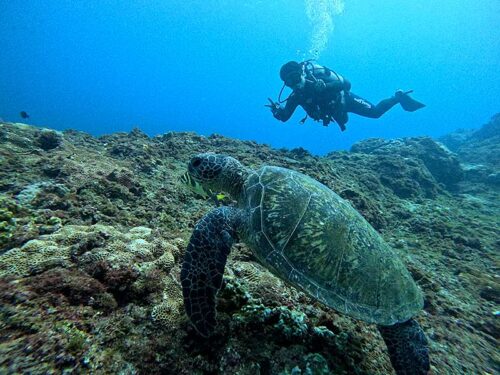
310 237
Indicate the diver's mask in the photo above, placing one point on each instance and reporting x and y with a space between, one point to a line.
296 79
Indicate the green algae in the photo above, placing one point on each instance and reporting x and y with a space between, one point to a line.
75 338
7 221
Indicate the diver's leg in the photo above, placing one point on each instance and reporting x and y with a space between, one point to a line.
338 110
363 107
341 119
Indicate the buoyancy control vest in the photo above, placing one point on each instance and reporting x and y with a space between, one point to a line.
328 106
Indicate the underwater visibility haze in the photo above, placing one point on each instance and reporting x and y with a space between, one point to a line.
209 66
162 213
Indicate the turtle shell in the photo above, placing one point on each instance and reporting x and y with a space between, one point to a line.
312 238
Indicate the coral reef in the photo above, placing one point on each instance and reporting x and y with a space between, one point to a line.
479 151
93 231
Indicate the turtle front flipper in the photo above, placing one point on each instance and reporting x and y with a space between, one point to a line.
203 266
407 347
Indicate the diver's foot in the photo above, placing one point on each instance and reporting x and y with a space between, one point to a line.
401 93
408 103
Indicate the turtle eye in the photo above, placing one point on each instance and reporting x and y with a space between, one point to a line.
196 162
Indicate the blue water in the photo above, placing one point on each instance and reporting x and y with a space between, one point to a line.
208 66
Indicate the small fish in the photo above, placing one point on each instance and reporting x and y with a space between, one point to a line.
194 185
24 115
197 188
220 196
219 199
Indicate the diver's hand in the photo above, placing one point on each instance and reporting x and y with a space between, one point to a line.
275 107
319 85
277 112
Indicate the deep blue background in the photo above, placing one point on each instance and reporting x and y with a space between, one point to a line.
208 66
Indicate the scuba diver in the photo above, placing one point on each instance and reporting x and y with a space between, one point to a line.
326 96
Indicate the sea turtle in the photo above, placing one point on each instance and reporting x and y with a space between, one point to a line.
310 237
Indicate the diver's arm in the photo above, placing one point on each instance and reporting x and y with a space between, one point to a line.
284 113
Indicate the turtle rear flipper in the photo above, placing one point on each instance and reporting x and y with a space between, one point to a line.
203 266
407 347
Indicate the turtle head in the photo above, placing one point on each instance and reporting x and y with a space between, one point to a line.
218 173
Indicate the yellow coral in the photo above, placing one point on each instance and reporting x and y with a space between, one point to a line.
117 246
165 262
35 246
179 246
93 257
139 232
158 247
22 261
173 289
71 234
140 248
166 313
46 264
145 268
170 312
259 280
55 250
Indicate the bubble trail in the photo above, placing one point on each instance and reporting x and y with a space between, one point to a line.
321 14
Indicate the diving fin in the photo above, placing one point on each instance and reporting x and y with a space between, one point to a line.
409 104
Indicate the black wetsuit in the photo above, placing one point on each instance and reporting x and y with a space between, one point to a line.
333 102
319 104
356 104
